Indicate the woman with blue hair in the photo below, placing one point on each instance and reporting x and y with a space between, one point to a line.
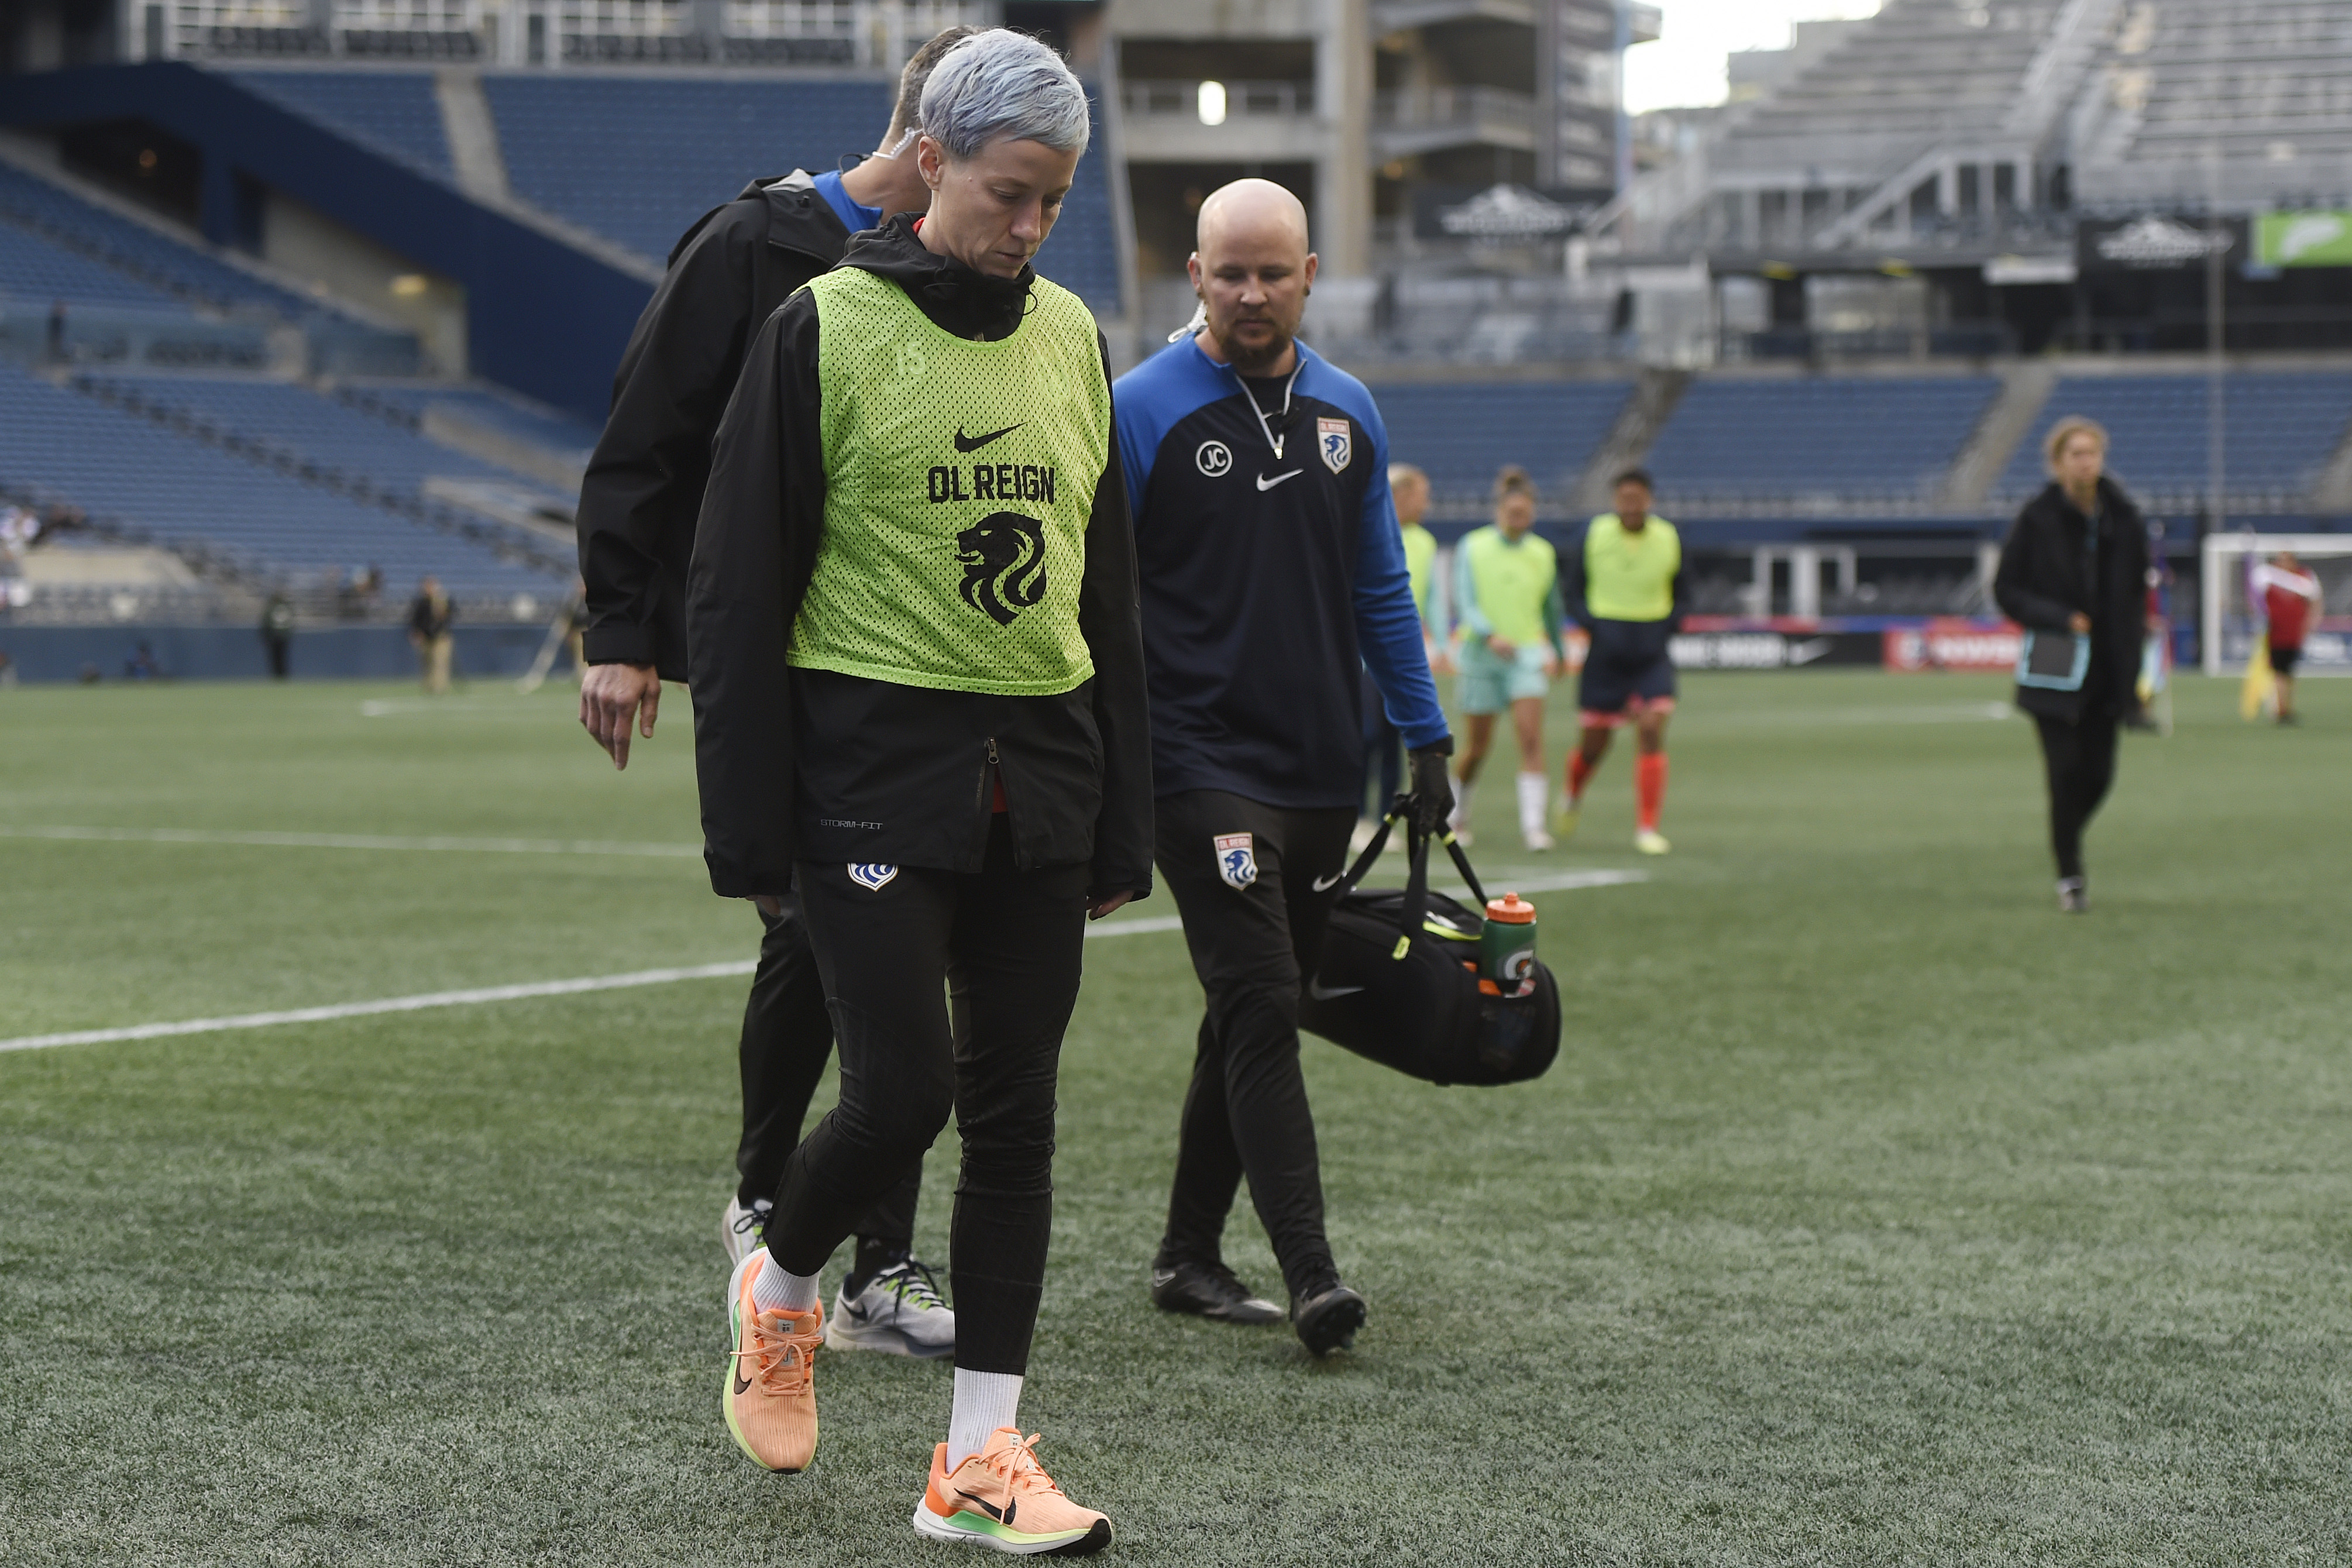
918 689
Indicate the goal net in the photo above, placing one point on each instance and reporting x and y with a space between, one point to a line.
2233 586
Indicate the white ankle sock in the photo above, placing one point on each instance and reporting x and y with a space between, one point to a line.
983 1402
1461 818
776 1291
1533 788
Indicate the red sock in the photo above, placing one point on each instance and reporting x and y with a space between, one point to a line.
1648 789
1579 773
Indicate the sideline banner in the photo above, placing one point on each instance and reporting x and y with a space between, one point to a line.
1952 642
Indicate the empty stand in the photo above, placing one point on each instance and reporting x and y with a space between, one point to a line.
321 432
637 158
34 272
2279 431
1460 433
171 487
395 112
547 427
1867 439
108 244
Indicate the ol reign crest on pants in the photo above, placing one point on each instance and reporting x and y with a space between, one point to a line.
872 877
1237 859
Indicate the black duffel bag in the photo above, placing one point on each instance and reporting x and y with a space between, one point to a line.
1399 981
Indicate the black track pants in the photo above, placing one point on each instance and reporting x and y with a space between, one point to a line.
787 1040
1008 944
2080 758
1251 947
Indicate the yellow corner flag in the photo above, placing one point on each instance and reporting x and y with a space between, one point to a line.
2259 689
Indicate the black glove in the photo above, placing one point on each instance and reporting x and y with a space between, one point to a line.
1432 800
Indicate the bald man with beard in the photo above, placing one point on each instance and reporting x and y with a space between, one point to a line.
1273 575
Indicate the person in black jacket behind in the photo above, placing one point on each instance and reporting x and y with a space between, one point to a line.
2073 574
637 507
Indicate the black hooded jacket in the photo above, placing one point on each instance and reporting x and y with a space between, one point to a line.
810 764
643 486
2050 570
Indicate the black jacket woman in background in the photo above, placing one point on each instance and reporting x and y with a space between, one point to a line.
2073 574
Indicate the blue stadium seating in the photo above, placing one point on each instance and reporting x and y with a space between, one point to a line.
293 418
62 446
130 253
392 112
33 272
1850 438
638 158
2280 429
1460 433
547 428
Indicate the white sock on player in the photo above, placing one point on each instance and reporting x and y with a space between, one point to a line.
777 1292
983 1402
1460 818
1533 789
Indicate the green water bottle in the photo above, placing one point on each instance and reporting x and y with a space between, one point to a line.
1507 947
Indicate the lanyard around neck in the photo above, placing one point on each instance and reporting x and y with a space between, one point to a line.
1273 439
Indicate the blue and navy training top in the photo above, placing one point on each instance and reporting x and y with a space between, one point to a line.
1273 574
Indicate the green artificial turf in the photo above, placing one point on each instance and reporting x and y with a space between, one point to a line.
1874 1212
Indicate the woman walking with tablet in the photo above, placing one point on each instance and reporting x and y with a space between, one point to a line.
2074 575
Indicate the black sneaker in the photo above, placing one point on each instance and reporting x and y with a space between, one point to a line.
1327 1320
1209 1290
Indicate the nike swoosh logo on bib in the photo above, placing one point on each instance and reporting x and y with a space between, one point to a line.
964 443
1323 883
1266 484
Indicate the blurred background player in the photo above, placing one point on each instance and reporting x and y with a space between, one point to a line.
1383 746
1506 604
1624 586
2075 565
1273 576
431 623
637 511
2290 598
874 668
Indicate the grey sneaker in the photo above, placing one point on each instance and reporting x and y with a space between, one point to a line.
741 1229
898 1313
2074 897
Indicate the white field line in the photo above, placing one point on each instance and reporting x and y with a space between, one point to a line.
462 998
357 841
1554 882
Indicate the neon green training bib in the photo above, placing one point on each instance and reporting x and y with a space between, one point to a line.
959 480
1630 576
1511 582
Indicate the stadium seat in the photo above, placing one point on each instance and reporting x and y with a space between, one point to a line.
1843 438
159 483
1460 433
638 158
2281 428
115 259
393 112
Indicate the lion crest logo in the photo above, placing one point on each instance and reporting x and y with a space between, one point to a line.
1003 557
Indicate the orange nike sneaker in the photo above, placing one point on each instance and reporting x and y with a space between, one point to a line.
1002 1497
771 1392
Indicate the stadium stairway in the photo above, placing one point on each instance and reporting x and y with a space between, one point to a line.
153 470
